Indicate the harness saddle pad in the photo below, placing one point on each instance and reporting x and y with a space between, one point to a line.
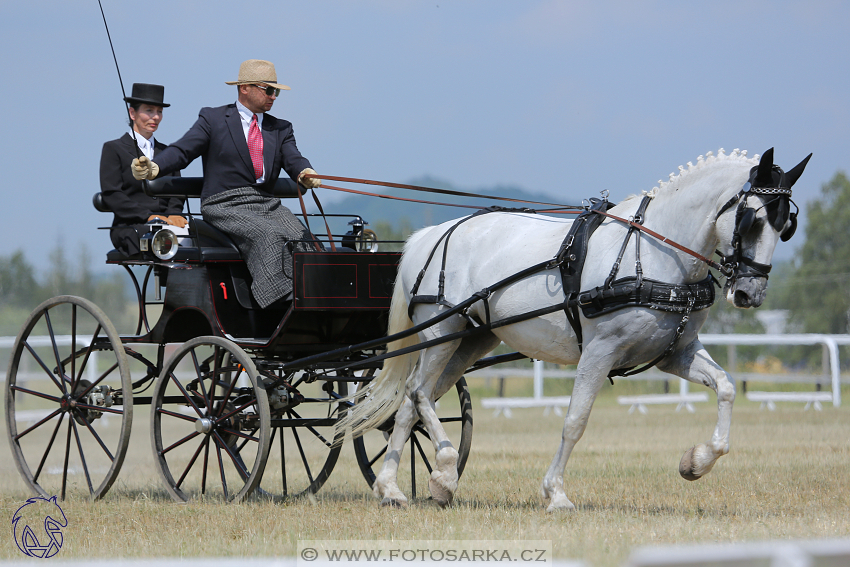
628 292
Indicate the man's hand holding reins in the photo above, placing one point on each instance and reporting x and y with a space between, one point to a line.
309 182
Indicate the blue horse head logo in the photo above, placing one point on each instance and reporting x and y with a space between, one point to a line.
37 526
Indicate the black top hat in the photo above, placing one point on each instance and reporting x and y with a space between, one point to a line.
144 93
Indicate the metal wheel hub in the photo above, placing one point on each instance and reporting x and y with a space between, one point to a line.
204 425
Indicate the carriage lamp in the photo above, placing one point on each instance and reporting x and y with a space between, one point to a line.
360 238
164 244
368 241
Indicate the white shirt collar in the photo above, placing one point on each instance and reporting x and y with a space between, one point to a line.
246 116
144 144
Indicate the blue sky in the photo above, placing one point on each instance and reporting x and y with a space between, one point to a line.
564 98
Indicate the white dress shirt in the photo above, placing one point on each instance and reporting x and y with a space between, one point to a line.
144 144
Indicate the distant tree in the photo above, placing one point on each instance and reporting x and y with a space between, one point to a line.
817 292
17 281
387 231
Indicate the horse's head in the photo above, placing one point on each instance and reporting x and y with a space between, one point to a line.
749 232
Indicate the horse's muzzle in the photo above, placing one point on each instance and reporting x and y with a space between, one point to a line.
746 292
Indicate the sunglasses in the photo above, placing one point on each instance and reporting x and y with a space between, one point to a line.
269 90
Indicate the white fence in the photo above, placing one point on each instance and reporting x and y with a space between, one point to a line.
684 398
27 373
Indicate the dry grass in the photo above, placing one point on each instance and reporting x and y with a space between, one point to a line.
786 477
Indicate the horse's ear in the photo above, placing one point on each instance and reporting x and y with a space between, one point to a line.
794 174
764 175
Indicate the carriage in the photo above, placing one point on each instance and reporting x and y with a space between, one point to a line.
242 380
242 400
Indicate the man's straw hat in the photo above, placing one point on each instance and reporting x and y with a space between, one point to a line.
257 71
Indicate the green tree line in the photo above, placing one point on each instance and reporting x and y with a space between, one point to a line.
22 289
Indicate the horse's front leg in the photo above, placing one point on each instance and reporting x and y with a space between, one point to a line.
694 364
591 373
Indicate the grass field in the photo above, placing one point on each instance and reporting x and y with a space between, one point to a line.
787 476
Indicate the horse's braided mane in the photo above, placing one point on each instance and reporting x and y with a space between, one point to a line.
676 178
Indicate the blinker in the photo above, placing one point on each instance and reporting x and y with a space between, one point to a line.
747 219
789 232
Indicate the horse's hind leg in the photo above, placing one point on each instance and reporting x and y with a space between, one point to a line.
386 481
694 364
444 476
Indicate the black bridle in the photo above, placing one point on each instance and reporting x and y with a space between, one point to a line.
772 186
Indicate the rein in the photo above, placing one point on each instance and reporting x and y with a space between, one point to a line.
426 190
724 269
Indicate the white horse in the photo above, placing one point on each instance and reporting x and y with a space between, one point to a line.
695 208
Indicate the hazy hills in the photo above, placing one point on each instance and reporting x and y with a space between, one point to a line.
419 215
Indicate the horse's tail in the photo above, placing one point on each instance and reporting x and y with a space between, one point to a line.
376 402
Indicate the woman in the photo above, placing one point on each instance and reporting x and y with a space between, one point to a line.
124 195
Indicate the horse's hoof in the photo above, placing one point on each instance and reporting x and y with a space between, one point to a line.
440 494
552 509
393 503
686 465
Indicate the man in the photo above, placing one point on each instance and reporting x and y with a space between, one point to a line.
122 194
243 151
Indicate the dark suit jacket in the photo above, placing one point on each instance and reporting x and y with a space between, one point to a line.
124 195
217 136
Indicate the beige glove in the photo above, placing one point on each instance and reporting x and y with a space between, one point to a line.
308 182
143 168
177 220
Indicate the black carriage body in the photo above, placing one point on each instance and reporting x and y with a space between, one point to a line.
339 298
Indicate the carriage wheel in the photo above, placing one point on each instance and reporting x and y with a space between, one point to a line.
210 422
456 417
305 445
68 420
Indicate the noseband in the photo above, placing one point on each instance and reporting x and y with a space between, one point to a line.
778 200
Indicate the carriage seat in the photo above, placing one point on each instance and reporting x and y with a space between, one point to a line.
211 244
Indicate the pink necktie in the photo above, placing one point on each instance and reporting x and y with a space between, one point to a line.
255 147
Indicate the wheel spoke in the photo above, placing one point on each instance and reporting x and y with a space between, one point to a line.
415 442
100 409
221 467
201 445
179 442
34 393
67 455
89 351
310 428
380 454
186 394
39 424
176 414
240 466
252 402
97 437
98 381
206 464
46 369
47 450
244 436
82 455
204 397
59 366
301 452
